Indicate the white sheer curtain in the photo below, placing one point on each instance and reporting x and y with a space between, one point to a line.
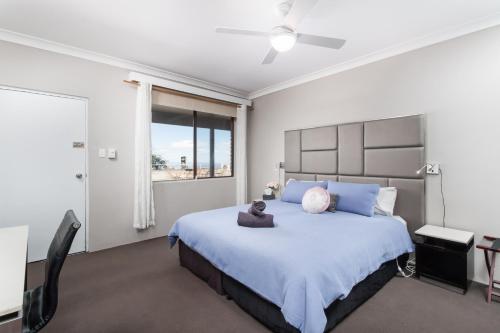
144 210
241 155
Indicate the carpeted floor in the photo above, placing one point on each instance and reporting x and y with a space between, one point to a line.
142 288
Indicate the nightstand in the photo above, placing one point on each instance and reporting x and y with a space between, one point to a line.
268 197
445 255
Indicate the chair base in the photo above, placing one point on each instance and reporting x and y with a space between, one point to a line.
33 319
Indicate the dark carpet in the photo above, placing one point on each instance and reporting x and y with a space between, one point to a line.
141 288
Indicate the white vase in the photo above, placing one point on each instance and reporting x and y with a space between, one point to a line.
268 191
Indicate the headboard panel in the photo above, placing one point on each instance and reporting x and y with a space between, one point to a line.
387 152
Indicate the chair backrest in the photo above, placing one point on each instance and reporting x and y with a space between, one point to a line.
56 255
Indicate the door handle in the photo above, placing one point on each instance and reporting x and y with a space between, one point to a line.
79 176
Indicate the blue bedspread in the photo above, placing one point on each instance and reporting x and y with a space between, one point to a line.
303 264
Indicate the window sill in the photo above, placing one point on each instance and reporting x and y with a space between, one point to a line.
193 180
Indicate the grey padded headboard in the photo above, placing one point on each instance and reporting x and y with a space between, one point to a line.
386 152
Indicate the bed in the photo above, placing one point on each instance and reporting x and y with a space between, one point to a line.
312 270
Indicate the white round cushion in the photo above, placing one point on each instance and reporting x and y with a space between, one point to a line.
316 200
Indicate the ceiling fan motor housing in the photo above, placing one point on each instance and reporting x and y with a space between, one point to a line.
283 8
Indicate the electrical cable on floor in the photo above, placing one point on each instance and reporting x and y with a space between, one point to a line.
410 267
410 264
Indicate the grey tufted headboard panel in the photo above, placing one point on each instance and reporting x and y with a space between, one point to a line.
386 152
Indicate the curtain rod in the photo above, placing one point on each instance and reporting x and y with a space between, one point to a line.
181 93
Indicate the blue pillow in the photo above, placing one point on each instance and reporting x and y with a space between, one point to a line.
355 198
295 189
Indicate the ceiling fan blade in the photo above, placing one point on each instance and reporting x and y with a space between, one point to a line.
299 10
331 43
236 31
269 58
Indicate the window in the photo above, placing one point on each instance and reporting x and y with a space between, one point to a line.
190 145
222 153
203 152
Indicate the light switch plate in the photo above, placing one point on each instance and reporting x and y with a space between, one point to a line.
111 153
432 169
102 152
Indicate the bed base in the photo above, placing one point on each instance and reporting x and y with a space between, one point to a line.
268 313
201 267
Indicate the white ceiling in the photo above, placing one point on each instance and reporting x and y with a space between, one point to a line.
178 35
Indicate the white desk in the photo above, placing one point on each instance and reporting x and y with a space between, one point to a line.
13 252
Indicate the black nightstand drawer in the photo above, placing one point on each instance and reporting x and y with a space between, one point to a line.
445 261
444 244
442 264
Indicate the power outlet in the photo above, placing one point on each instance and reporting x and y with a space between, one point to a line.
432 169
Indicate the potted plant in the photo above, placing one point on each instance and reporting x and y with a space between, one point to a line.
270 189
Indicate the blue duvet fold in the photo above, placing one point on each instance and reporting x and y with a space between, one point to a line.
303 264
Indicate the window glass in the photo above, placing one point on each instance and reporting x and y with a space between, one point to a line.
173 144
203 152
222 153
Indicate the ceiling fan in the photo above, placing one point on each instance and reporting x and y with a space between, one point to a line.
283 37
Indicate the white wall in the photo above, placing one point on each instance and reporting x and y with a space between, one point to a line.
182 197
455 83
110 124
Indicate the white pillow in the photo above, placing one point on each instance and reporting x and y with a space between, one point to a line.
386 200
316 200
304 181
400 219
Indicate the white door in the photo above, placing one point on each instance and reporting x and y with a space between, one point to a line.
42 165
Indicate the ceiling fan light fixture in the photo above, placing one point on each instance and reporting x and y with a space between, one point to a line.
283 38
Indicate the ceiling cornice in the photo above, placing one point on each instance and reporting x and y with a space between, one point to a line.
433 38
47 45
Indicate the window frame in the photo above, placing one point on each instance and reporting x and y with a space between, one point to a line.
212 151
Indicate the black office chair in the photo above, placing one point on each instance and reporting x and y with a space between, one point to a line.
39 305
